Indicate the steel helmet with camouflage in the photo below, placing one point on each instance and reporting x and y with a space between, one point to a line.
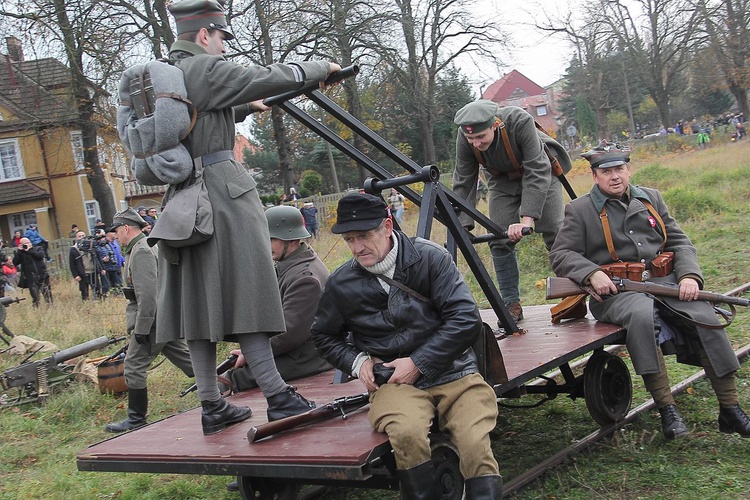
286 223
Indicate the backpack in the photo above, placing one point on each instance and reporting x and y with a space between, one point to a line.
153 118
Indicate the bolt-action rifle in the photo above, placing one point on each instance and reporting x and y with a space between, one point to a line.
339 406
35 378
564 287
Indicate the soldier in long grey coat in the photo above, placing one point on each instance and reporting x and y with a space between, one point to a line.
524 194
635 216
225 288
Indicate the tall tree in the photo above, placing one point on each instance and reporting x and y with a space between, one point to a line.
727 23
85 34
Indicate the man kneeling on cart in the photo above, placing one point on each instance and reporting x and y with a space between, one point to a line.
401 309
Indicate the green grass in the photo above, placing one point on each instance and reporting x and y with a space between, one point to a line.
709 188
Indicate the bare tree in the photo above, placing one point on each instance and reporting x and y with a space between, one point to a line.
727 23
659 41
85 34
435 34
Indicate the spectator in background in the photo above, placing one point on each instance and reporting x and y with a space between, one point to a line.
100 225
10 271
396 202
111 263
153 214
310 215
16 241
73 231
33 271
32 233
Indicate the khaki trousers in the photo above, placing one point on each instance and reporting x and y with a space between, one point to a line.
466 410
658 384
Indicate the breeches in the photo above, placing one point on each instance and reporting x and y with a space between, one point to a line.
503 210
140 356
466 410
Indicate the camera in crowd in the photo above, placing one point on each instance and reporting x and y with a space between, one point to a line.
88 244
25 246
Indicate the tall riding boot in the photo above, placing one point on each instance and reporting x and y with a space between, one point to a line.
217 415
484 488
137 408
418 482
287 403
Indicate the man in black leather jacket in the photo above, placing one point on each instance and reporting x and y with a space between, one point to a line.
406 306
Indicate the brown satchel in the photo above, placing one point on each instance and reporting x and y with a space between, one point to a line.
573 307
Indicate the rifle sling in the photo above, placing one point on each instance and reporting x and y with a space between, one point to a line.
727 317
405 288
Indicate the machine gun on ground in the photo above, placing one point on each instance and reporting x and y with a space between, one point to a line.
33 379
339 406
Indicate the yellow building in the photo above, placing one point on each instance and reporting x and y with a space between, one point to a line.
42 173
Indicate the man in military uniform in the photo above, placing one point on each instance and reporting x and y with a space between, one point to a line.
522 190
620 222
301 276
141 283
225 288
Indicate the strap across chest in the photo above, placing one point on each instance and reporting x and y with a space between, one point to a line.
608 233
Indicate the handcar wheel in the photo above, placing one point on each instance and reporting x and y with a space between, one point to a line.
445 458
607 388
264 488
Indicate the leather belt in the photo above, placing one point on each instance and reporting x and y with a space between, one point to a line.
215 157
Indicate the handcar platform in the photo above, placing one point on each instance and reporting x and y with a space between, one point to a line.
336 451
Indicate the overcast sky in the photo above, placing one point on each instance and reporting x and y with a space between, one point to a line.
542 59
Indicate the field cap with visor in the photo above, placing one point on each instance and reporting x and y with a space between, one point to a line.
476 116
192 15
359 212
127 217
607 155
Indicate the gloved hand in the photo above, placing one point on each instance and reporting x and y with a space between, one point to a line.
141 339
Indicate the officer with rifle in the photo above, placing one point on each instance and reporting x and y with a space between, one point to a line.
141 280
619 230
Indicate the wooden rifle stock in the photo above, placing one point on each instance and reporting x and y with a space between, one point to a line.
564 287
339 406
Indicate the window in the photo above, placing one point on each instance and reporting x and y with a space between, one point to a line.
76 142
541 110
92 213
11 166
20 222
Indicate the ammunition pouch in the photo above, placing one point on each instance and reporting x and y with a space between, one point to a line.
633 271
129 293
662 265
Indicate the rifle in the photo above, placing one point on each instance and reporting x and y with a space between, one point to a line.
6 334
564 287
34 378
224 366
339 406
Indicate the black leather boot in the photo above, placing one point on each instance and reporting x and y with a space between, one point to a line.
287 404
137 408
484 488
672 424
218 414
418 482
734 420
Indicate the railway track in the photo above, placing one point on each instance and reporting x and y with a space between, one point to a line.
521 480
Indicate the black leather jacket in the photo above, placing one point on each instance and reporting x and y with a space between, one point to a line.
437 336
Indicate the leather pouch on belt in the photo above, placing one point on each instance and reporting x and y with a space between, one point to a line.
662 265
626 270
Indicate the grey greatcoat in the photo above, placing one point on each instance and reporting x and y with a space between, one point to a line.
227 285
580 248
302 276
537 194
